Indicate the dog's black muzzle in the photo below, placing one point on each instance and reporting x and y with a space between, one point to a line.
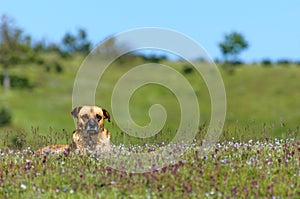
92 126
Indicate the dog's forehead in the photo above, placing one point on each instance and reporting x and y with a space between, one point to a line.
90 110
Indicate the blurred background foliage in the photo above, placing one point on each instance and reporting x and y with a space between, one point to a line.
36 82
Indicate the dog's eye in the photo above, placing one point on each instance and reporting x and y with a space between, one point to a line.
98 117
85 117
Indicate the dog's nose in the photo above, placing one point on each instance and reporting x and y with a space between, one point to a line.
92 126
92 123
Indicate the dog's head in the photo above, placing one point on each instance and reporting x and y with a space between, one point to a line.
90 118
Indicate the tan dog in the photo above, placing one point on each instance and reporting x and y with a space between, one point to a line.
90 133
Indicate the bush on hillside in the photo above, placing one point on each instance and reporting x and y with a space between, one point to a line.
188 69
266 62
5 116
17 82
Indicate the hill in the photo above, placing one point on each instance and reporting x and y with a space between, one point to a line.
259 99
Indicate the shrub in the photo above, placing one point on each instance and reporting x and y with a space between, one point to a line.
284 62
58 68
154 58
18 82
188 69
5 116
55 66
266 62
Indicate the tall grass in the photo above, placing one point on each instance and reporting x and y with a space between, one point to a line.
235 168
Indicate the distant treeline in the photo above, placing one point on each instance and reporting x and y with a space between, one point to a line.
264 62
233 44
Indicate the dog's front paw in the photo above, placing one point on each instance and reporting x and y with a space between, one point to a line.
54 149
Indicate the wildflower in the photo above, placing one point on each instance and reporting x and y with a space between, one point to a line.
292 185
237 145
23 186
44 159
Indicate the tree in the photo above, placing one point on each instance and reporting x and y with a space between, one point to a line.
76 43
69 43
233 44
83 45
14 48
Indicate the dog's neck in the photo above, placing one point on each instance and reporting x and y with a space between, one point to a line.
88 139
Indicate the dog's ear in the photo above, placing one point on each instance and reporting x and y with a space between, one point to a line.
106 114
75 111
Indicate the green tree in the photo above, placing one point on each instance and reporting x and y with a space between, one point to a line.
84 45
76 43
14 48
69 43
232 45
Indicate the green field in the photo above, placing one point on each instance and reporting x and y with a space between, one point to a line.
257 154
263 98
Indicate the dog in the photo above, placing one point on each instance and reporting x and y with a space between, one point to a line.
90 134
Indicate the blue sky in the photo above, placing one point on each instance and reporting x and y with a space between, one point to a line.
271 27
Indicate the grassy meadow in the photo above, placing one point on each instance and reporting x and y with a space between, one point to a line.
253 169
257 155
259 97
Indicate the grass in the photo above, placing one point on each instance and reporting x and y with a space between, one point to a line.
267 168
256 96
257 154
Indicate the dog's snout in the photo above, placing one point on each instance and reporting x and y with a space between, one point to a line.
92 125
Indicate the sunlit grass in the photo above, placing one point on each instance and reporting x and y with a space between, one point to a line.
235 168
257 154
255 95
